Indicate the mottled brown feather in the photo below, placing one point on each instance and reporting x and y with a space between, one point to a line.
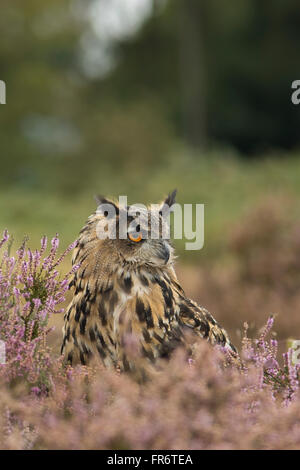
114 299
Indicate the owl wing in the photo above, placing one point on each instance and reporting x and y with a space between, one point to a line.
203 324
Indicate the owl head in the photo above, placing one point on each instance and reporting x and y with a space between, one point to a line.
138 235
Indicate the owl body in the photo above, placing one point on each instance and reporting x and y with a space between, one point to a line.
128 308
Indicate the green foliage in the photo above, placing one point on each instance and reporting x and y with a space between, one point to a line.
65 136
227 186
62 129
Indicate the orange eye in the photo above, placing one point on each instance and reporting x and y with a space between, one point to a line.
136 238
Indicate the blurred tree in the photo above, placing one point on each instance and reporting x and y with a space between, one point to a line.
38 62
222 71
253 58
211 71
63 129
192 71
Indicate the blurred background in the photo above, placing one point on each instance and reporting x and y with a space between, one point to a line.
139 97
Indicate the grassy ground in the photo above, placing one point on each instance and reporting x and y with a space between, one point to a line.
249 268
228 187
220 276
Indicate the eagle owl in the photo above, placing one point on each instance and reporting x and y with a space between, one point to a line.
128 287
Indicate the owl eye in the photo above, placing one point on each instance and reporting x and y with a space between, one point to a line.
135 238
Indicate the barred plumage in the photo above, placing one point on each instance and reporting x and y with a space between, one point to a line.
125 288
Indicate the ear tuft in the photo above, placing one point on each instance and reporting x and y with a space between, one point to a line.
170 200
103 200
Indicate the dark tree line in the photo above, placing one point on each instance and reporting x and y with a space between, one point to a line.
203 72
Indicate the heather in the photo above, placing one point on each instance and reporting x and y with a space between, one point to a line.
31 289
204 402
260 274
